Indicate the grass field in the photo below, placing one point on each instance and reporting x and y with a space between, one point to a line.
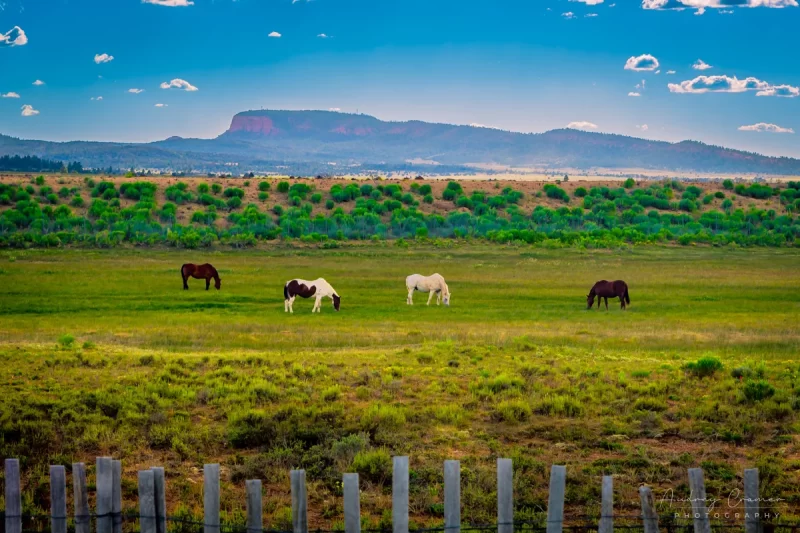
103 354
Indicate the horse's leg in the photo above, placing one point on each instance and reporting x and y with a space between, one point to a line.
318 305
291 303
208 283
606 300
430 297
622 302
185 285
410 298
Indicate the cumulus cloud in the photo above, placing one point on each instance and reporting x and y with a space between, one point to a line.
13 37
96 99
670 72
590 15
582 125
701 65
103 58
135 91
337 109
38 83
274 35
29 111
322 36
178 83
764 127
642 127
725 5
161 105
728 84
169 3
644 62
633 94
568 15
10 95
589 2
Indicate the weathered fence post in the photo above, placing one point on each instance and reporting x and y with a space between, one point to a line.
752 521
299 501
452 496
58 499
159 482
555 503
116 495
80 498
352 504
105 489
697 491
211 498
607 506
255 521
147 502
13 497
400 494
649 516
505 496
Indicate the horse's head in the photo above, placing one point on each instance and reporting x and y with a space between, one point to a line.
446 299
336 301
589 301
218 283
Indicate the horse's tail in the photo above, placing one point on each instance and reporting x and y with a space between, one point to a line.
182 267
286 291
627 298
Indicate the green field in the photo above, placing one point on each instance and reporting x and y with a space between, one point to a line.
103 354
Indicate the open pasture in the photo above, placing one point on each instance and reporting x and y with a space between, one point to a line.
103 353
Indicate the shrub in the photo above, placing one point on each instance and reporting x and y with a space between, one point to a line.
719 194
316 198
76 201
278 210
428 199
741 372
329 204
283 186
234 192
559 405
263 196
425 189
556 192
66 341
385 417
203 188
755 391
216 188
727 185
629 183
512 411
332 393
234 202
704 367
264 186
580 192
373 465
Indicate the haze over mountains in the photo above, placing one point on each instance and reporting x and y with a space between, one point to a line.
305 142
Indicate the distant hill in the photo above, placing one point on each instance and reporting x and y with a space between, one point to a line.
307 142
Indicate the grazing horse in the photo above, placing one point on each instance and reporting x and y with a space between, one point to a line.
430 284
206 272
306 289
604 290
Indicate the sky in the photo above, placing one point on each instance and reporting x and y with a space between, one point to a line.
725 72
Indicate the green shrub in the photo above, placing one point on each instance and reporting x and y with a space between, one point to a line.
316 198
741 372
283 186
630 183
380 416
76 201
719 194
234 192
203 188
512 411
66 340
216 188
425 189
727 185
264 186
428 199
374 465
263 196
756 391
580 192
329 204
704 367
559 405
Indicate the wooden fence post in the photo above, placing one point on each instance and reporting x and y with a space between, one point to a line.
299 501
752 520
13 497
116 495
80 498
352 504
649 516
147 502
211 498
58 499
452 496
159 482
697 490
505 496
400 494
105 489
255 520
555 502
607 506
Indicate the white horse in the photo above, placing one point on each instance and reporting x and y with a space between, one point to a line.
306 289
431 284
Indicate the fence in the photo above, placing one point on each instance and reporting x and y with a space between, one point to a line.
152 517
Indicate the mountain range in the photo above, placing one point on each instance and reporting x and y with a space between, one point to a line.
313 142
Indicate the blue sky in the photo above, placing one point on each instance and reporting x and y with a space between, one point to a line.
527 66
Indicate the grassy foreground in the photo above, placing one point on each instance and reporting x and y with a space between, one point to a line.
102 353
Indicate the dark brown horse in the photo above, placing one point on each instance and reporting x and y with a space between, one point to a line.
206 272
604 290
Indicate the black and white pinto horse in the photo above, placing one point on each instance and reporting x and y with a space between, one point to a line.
318 288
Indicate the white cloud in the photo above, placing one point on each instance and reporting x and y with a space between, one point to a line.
582 125
728 84
590 15
633 94
13 37
643 127
169 3
96 99
589 2
178 83
29 111
135 91
10 95
38 83
701 65
725 5
337 109
568 15
103 58
641 85
763 127
322 36
161 105
644 62
274 35
670 72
